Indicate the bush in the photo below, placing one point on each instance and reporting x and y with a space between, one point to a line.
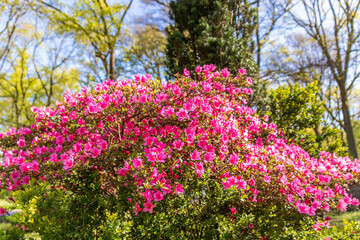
181 159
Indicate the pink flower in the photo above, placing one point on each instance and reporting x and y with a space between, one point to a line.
166 188
242 71
225 73
34 109
208 157
303 208
182 114
137 162
25 180
267 178
21 142
252 182
144 98
348 176
251 225
179 189
93 108
25 167
198 69
19 160
161 97
226 184
324 178
148 207
169 111
233 210
178 144
68 163
186 73
2 211
249 81
15 175
103 145
342 205
137 209
95 152
34 166
284 179
195 155
158 196
81 122
199 168
317 227
206 86
241 184
234 159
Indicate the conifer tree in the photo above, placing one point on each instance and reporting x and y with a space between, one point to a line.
210 32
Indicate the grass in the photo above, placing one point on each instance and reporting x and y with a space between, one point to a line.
337 218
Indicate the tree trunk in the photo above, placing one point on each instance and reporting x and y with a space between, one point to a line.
347 122
112 65
258 40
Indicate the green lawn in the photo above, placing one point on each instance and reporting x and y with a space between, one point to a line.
337 218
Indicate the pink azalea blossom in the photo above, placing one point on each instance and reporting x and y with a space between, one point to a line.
137 209
233 210
158 196
208 157
241 184
2 211
195 155
242 71
182 114
199 168
198 69
178 144
148 207
234 159
179 189
21 142
137 162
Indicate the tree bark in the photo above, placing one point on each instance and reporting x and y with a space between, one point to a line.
112 65
347 121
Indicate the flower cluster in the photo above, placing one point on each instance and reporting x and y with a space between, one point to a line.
155 138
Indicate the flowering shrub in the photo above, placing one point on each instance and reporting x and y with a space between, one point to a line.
187 141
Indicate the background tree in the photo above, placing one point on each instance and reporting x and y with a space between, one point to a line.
299 112
96 24
269 18
146 51
334 25
34 66
210 32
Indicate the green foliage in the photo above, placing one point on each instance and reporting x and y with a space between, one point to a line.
350 231
33 62
60 214
298 111
210 32
96 25
203 212
146 53
13 233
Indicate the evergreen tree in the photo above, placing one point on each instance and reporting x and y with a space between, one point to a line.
210 32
